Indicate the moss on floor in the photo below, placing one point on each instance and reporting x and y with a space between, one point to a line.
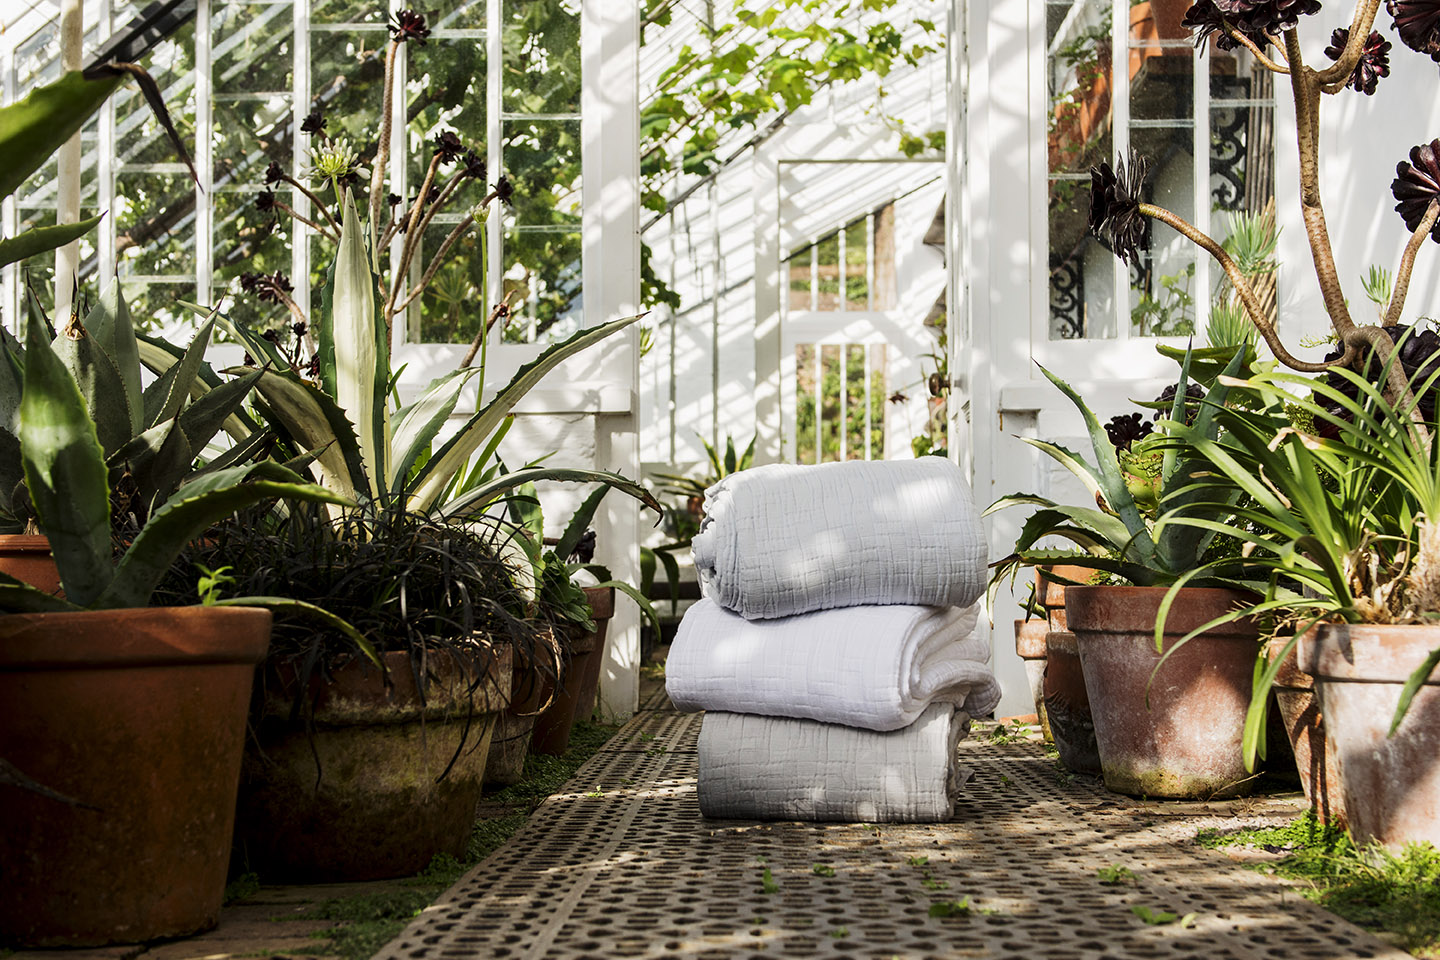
1395 896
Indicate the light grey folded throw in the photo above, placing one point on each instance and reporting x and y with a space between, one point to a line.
773 768
783 539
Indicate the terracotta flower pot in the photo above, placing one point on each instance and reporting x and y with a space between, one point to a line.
381 782
28 559
576 698
1315 758
1390 784
1067 704
1030 647
139 715
1185 741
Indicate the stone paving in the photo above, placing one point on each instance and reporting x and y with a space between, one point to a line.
623 865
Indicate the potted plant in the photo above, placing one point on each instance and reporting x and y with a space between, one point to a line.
365 765
1168 716
133 714
31 130
325 385
1375 567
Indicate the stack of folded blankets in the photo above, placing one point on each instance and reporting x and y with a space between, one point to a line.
834 650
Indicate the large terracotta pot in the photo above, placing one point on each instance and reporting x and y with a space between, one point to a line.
1174 731
576 698
1067 704
530 693
1390 784
1315 758
28 559
380 782
139 715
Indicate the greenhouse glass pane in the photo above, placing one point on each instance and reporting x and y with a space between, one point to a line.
542 160
797 270
1079 135
154 305
154 223
252 47
249 241
456 14
542 57
348 11
446 92
857 286
247 136
452 306
347 74
827 285
542 270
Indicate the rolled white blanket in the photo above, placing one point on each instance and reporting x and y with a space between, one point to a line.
784 539
873 667
768 768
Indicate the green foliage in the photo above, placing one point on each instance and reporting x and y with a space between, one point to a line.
1338 520
856 416
1159 918
1172 314
1116 536
951 908
822 870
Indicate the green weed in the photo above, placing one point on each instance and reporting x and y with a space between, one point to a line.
821 870
1115 875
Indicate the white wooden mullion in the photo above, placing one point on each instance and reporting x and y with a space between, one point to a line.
204 155
814 273
819 373
866 418
870 261
844 396
494 159
299 106
1201 151
105 165
1120 124
9 215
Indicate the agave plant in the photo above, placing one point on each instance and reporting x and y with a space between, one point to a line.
67 479
150 436
1118 535
1346 527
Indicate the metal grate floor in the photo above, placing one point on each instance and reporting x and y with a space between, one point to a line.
623 865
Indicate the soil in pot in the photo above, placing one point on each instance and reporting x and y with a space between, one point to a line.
1315 759
1174 731
139 716
380 783
1068 705
1390 784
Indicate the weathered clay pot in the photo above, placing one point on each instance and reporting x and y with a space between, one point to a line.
379 783
1186 741
28 559
1390 784
139 716
515 727
1067 704
1030 646
1315 758
576 698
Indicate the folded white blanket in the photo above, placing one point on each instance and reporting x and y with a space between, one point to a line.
874 667
765 768
782 539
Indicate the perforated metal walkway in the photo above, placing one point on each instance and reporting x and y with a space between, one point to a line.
623 865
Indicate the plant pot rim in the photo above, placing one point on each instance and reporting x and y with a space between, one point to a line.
131 636
1125 609
1367 652
24 541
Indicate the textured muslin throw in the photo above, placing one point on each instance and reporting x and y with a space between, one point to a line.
784 539
872 667
768 768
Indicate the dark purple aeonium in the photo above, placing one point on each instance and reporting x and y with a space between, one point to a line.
1115 204
1374 59
1417 185
1418 24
